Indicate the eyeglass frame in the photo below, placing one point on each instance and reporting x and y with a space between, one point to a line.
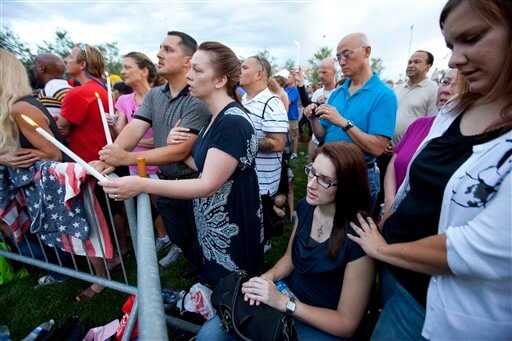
445 83
311 173
347 53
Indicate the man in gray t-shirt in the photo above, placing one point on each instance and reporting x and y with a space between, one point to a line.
162 108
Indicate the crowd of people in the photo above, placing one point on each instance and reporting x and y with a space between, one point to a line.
410 183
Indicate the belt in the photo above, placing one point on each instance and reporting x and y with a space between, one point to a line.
180 177
370 165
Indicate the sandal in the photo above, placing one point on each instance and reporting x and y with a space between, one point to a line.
86 294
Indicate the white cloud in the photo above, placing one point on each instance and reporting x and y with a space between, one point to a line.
245 26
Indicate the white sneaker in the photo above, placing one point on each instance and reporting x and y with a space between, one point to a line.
47 280
293 156
171 257
161 244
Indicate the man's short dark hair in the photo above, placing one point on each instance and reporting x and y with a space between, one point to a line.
188 43
430 57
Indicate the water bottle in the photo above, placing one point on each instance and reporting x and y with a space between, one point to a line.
47 326
283 289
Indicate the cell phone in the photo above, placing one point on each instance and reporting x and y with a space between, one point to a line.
193 131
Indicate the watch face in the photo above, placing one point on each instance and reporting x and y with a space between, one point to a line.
290 306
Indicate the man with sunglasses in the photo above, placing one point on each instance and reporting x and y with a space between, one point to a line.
80 117
362 111
270 121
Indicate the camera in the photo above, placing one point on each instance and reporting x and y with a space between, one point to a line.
314 112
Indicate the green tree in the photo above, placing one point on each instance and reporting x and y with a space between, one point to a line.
289 64
110 52
377 66
12 43
321 54
61 44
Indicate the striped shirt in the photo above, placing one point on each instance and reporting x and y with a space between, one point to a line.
273 120
53 94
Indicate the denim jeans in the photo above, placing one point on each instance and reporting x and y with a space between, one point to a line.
179 222
402 317
374 184
213 331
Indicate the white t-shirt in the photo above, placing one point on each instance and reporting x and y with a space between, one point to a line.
275 120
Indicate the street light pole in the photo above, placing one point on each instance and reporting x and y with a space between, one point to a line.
410 42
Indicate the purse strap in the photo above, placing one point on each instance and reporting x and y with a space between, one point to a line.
241 275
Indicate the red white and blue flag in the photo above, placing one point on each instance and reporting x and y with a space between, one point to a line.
55 207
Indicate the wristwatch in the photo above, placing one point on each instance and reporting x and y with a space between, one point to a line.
290 306
349 125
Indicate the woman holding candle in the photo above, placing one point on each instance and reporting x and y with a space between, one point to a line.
20 145
226 197
139 72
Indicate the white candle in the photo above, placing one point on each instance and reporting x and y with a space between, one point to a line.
104 119
110 96
65 149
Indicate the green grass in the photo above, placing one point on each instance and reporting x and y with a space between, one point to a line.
23 306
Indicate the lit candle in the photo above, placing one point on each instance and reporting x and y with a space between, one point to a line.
65 149
104 119
110 96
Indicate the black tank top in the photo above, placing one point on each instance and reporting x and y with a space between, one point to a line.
24 142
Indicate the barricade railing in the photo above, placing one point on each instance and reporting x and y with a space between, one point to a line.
148 308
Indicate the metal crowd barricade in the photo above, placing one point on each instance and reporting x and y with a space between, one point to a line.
148 307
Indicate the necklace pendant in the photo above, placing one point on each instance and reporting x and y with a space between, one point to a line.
320 231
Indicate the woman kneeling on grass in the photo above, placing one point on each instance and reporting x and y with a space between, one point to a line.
327 275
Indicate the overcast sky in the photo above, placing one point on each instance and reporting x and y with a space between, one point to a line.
245 26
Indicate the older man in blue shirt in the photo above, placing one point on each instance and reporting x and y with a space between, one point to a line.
362 111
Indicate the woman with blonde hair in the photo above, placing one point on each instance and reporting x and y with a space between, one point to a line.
20 145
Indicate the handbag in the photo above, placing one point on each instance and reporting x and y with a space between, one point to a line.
240 319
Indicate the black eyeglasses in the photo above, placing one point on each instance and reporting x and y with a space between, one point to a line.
321 180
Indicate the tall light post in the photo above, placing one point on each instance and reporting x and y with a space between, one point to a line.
410 42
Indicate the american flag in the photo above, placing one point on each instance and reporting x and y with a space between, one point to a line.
55 207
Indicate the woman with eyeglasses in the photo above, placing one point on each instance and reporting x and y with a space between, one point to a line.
448 243
324 279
